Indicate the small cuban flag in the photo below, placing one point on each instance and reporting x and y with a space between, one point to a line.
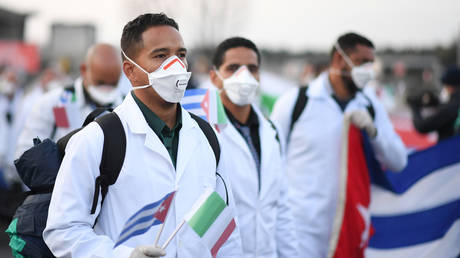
206 104
212 220
148 216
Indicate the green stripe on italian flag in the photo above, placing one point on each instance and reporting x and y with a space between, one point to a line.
212 220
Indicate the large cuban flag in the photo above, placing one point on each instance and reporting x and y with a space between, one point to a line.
351 227
412 213
416 213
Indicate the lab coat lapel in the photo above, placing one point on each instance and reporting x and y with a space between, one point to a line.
138 125
189 139
267 141
321 89
237 139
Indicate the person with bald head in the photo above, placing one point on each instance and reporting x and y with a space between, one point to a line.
62 110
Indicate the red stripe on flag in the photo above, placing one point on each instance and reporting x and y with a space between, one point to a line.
172 62
164 208
205 105
227 232
355 230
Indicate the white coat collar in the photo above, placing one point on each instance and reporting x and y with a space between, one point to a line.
267 137
136 121
321 87
80 97
188 137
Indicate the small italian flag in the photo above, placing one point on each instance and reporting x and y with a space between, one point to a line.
212 220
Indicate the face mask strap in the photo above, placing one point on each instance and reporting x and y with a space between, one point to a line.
134 63
342 53
217 72
141 87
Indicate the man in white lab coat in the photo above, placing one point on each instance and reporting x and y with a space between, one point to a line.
313 144
165 150
62 110
259 182
11 100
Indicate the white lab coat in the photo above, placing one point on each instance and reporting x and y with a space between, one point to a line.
9 133
25 108
313 154
265 219
41 121
146 176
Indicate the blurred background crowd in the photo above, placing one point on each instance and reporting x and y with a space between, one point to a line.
42 44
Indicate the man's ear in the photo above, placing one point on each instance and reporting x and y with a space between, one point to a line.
215 79
83 69
337 60
84 74
128 69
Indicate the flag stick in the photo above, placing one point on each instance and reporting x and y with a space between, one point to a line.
159 233
172 235
164 222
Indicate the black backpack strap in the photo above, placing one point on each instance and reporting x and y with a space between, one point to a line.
370 107
214 142
113 155
299 106
210 135
277 137
94 114
62 142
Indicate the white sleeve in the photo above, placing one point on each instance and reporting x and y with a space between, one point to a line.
286 238
69 231
233 246
39 124
282 112
388 147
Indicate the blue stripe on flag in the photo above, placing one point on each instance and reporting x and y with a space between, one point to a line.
145 214
138 221
195 92
414 228
420 164
189 106
137 232
148 207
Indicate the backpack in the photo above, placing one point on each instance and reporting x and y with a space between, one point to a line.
38 168
301 103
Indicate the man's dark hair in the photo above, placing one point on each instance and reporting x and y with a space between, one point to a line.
349 41
229 43
131 39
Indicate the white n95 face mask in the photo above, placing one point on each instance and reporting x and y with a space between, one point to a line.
169 80
103 94
361 75
241 87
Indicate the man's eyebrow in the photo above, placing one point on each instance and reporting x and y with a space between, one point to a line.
159 50
182 49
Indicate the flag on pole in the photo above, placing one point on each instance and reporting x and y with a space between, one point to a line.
206 104
212 220
416 212
412 213
351 227
148 216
